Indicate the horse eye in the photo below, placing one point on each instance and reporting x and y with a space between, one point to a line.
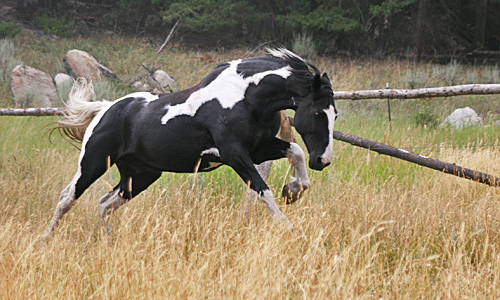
319 114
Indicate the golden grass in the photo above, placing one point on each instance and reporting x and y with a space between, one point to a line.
370 227
436 236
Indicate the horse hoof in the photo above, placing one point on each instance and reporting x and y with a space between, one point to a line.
292 192
45 236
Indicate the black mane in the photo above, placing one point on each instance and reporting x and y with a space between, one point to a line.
275 59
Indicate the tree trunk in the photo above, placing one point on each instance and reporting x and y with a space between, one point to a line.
419 24
480 28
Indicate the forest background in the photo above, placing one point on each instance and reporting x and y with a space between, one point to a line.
408 28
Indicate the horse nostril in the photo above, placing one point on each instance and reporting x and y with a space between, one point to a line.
320 161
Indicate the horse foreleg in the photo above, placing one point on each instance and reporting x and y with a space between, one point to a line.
239 159
275 149
294 189
264 170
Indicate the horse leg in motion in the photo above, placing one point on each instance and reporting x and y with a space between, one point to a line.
132 182
295 188
96 157
94 161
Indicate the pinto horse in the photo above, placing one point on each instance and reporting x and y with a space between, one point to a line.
231 117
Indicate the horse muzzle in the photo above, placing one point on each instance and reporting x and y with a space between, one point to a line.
319 163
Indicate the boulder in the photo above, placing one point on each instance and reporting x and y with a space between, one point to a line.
463 117
165 81
32 87
82 64
157 82
62 80
141 86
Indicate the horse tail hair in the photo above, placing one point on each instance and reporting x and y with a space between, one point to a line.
80 110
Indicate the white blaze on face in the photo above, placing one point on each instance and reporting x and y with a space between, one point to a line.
228 89
326 157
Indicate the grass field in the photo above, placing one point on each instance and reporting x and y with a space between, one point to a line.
370 227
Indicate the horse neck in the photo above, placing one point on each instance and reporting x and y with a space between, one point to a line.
270 105
284 96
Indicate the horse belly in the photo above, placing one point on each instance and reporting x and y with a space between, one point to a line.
175 149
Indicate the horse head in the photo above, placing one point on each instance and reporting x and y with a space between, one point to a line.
314 119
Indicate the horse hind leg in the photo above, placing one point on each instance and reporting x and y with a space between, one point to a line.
66 201
131 184
91 166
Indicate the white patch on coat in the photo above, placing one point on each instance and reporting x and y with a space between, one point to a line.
299 161
146 96
228 89
326 157
214 151
404 151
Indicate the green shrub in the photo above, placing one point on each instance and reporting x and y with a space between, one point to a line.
490 74
56 25
62 93
9 30
449 74
415 79
105 90
427 119
7 60
30 97
303 45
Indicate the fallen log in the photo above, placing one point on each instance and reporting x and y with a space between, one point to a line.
447 91
421 160
35 112
418 159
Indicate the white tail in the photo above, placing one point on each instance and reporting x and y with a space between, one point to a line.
80 110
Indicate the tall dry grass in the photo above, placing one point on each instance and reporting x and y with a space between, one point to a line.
370 227
421 234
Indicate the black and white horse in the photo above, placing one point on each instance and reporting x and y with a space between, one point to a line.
231 117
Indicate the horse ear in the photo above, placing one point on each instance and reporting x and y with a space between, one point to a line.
325 77
316 84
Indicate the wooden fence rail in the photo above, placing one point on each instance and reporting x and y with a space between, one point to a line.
34 112
447 91
470 89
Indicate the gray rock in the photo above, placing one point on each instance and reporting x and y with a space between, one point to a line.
62 79
497 123
463 117
141 86
165 81
32 87
82 64
159 82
